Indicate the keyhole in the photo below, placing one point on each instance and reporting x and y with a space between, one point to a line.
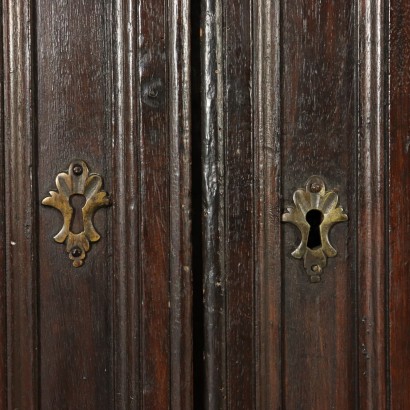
77 201
314 218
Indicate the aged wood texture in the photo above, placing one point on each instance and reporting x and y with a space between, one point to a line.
21 239
213 207
399 204
318 124
268 238
293 89
228 204
153 359
179 129
371 221
238 159
73 116
3 275
107 83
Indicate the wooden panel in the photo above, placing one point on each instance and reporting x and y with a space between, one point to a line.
268 238
74 83
213 207
127 270
318 118
371 223
108 83
21 213
238 158
3 247
399 204
181 346
151 161
286 98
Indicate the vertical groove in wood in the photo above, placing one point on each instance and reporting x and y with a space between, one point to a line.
3 282
180 205
399 181
267 131
371 205
126 213
213 186
228 208
237 39
21 199
154 183
152 148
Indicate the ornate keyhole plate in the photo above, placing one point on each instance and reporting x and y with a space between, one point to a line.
77 182
315 212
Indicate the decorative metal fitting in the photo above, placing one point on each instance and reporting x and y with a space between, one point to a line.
77 182
314 213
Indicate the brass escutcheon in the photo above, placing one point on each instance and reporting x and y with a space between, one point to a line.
77 182
315 212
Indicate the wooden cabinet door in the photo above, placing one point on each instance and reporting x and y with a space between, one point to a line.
104 82
291 90
296 106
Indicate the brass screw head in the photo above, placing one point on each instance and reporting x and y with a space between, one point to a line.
315 187
77 169
76 252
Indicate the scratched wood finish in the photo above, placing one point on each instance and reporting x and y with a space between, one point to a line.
21 243
108 83
318 118
3 281
289 89
372 268
399 204
75 305
293 89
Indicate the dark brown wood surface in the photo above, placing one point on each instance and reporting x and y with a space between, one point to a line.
317 107
290 90
399 209
372 267
3 278
108 83
21 213
282 90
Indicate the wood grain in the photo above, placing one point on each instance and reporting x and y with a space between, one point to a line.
371 222
154 198
181 346
238 203
126 207
108 83
3 238
399 216
21 239
318 138
289 89
74 83
293 89
213 207
268 234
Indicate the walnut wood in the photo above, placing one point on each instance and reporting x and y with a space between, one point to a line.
213 209
75 306
268 236
318 118
108 83
288 89
21 239
399 210
371 220
3 247
293 89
